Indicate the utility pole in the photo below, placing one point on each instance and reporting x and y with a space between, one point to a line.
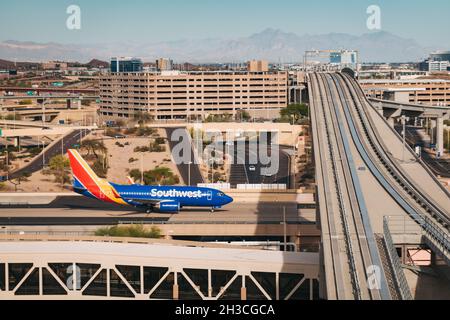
285 228
43 153
7 160
404 137
189 172
142 168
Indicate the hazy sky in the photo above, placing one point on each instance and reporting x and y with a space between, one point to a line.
157 20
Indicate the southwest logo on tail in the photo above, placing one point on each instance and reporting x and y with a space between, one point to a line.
168 199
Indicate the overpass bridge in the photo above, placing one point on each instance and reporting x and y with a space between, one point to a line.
52 97
392 110
364 173
51 90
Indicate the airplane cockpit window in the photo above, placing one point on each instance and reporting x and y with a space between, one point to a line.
220 194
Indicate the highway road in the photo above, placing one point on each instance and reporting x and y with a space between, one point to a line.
195 174
242 174
36 164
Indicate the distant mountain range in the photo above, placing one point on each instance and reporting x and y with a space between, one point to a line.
270 44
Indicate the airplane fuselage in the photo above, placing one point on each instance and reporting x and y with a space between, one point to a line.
161 198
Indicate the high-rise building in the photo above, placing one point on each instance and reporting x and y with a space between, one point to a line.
54 65
123 64
164 64
181 95
258 66
434 66
440 56
344 57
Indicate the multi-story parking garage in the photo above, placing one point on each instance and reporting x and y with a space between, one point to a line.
182 95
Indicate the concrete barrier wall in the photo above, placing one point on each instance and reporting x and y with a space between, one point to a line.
239 196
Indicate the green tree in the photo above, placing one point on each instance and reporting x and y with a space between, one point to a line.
142 117
60 166
137 231
100 167
296 111
94 146
12 116
159 176
243 115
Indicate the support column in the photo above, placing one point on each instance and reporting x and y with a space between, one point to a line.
243 289
17 142
440 137
176 288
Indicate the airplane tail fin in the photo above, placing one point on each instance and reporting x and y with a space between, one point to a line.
85 177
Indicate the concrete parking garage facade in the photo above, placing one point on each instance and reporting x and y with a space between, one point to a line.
172 95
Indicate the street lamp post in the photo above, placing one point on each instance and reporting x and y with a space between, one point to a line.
7 160
142 168
404 137
189 173
43 154
284 228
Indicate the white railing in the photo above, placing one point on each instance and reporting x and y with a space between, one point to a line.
261 187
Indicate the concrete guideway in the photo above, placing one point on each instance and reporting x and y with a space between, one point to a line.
345 236
378 171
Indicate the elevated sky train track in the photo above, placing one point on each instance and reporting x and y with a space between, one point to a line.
431 210
434 208
359 181
349 245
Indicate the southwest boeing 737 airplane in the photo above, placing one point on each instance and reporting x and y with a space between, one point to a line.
165 199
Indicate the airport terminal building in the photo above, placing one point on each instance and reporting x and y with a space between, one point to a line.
172 95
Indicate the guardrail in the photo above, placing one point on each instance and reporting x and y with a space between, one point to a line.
216 222
399 275
261 187
218 186
120 240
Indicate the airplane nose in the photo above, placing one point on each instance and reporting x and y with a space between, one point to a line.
228 200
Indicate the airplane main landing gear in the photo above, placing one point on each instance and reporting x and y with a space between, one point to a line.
149 210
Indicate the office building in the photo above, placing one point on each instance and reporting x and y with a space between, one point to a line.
182 95
344 57
54 65
164 64
440 56
126 65
258 66
434 66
